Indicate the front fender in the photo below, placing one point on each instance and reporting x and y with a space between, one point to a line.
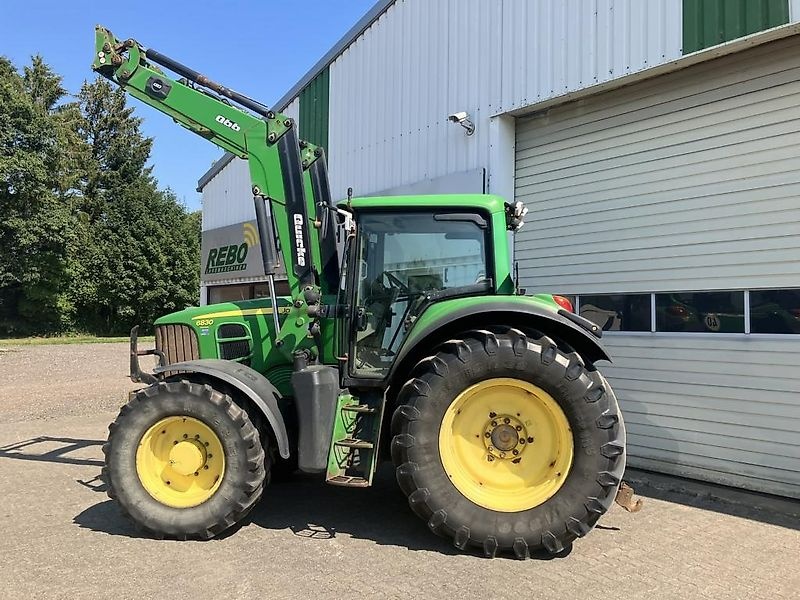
248 381
442 320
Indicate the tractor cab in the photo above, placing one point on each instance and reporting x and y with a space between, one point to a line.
408 253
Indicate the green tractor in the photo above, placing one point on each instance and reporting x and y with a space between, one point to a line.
404 334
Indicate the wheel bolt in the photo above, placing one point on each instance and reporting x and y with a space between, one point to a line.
494 423
175 443
490 458
205 467
502 455
515 452
506 420
196 436
185 436
196 473
518 428
205 443
487 434
521 440
209 456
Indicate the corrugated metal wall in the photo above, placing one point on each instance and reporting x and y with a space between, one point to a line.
227 198
711 22
314 101
720 409
686 186
392 89
690 181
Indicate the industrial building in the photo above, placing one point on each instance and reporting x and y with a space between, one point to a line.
656 145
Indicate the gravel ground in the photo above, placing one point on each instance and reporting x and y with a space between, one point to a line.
46 382
63 538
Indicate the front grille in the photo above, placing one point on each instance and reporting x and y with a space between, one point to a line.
177 342
231 330
233 350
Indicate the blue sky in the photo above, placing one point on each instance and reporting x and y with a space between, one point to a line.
258 48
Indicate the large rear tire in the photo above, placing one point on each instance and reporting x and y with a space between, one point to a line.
184 461
504 442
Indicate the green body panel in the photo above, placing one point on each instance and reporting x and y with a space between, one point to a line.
314 109
710 22
439 311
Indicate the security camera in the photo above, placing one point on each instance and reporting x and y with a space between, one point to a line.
462 118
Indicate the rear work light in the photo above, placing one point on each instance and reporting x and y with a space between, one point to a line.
564 303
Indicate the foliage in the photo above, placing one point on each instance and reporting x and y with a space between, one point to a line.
88 240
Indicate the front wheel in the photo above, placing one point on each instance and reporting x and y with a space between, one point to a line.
184 461
506 443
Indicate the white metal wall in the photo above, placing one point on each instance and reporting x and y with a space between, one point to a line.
392 89
686 182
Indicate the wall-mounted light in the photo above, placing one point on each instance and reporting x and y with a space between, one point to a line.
463 119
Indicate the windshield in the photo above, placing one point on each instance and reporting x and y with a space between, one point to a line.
401 258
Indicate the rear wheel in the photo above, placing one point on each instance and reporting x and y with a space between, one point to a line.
506 443
184 461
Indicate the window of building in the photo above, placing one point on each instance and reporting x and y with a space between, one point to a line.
617 312
708 312
245 291
775 311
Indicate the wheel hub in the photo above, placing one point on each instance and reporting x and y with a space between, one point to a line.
187 457
504 435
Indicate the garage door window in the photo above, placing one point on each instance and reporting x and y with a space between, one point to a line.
775 311
707 312
617 312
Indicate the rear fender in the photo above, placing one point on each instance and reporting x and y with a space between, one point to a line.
528 316
249 382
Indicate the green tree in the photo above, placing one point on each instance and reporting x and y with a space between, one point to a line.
39 156
87 239
145 256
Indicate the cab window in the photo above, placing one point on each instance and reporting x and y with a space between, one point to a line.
401 258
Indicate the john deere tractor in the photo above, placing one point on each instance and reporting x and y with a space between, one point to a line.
408 339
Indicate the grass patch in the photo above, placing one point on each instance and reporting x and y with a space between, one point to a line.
68 339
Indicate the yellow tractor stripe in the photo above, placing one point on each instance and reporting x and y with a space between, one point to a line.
284 310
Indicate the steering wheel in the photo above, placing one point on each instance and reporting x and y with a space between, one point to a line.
395 282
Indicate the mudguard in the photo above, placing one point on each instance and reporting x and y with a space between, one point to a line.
444 319
248 381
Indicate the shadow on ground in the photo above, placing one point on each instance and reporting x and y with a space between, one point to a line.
316 512
52 449
764 508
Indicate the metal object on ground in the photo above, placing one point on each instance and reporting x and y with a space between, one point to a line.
626 500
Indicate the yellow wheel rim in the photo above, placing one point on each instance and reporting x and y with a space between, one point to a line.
180 461
506 444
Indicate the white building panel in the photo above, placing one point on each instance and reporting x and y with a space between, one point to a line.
227 198
686 182
722 409
394 86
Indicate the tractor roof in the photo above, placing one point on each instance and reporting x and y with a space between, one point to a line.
487 202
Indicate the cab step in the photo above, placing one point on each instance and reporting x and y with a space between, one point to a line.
359 408
354 442
346 481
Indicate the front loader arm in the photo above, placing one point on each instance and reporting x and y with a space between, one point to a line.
268 140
